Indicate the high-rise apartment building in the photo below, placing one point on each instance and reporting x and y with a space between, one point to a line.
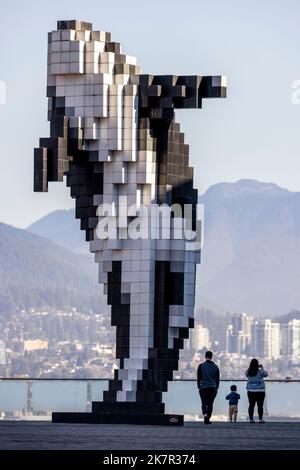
266 339
201 338
290 339
2 353
238 335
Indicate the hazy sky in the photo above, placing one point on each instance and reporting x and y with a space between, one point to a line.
254 133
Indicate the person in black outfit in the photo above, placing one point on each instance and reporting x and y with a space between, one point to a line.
208 379
256 389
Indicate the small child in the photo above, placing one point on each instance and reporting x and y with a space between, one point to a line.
233 398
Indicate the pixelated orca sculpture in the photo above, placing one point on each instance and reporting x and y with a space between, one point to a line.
113 133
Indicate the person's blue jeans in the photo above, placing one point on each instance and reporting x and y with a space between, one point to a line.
207 396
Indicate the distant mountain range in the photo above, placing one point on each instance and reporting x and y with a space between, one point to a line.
251 254
250 260
63 229
35 272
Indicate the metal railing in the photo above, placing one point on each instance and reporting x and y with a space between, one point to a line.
36 398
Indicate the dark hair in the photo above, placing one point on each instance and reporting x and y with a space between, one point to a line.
253 368
208 355
233 388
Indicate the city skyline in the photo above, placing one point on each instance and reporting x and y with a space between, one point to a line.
64 343
264 338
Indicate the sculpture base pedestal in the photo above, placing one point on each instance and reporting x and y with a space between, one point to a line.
111 418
